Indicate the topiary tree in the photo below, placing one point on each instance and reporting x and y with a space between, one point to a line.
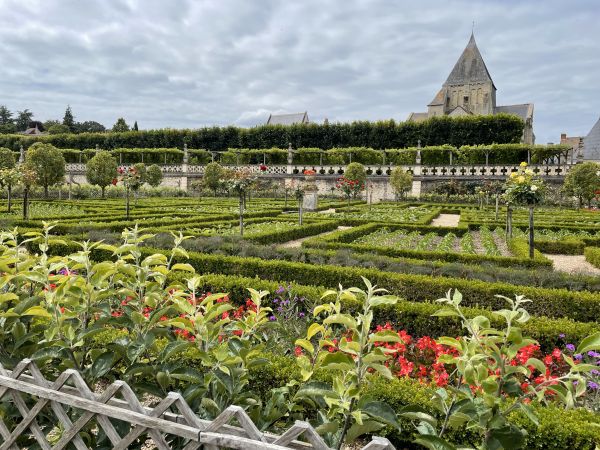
101 170
120 126
212 178
47 163
356 172
582 182
69 119
401 181
154 175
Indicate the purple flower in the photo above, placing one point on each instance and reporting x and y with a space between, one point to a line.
578 356
593 354
300 314
592 385
272 318
561 335
570 347
280 290
595 372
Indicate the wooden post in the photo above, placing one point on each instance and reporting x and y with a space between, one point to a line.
300 211
127 202
242 213
286 196
531 249
497 204
25 202
508 222
450 157
9 199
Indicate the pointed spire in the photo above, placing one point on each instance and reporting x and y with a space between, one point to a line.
470 67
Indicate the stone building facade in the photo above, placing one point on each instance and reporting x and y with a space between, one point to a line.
470 90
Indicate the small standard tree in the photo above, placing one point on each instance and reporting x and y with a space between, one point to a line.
582 182
356 172
120 126
154 175
101 170
48 164
401 181
8 173
212 178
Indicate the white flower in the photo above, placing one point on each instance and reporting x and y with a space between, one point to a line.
534 188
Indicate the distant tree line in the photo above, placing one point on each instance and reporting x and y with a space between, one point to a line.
13 123
470 130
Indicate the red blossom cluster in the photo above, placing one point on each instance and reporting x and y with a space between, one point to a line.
263 168
309 172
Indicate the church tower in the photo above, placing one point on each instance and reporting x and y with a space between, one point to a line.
469 88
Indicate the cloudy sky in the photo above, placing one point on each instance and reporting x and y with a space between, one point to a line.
190 63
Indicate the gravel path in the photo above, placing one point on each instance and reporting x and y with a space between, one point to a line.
575 264
446 220
298 242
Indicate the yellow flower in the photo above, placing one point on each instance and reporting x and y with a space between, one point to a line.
521 179
523 164
529 171
513 174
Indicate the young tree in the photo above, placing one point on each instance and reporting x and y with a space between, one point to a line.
69 120
213 173
120 126
47 163
154 175
23 119
101 170
401 181
7 158
582 182
356 172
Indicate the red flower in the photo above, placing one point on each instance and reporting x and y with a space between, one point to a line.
263 168
114 181
556 353
298 351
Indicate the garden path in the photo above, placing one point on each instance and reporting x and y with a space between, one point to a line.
574 264
298 242
446 220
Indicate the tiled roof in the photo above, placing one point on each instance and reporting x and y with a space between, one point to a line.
418 117
438 99
287 119
524 111
591 144
470 67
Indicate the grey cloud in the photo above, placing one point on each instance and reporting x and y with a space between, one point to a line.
188 63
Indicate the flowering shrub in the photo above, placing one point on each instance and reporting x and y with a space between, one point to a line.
524 187
263 168
350 188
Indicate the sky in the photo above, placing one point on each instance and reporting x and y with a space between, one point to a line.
194 63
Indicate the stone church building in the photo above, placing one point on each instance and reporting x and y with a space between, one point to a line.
469 90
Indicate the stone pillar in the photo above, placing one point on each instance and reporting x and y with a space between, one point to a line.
184 169
416 188
21 155
290 160
310 200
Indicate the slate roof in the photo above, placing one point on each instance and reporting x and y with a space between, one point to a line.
524 111
418 117
438 99
591 144
287 119
470 67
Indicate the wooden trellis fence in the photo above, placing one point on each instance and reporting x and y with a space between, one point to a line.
75 406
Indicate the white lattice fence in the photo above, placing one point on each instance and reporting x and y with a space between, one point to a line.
75 408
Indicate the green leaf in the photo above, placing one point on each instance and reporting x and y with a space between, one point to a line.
184 267
383 300
314 329
368 426
591 342
342 319
338 361
446 313
530 413
37 311
433 442
9 296
102 364
414 412
305 344
174 348
382 412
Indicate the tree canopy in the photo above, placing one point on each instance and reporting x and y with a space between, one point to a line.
101 170
47 163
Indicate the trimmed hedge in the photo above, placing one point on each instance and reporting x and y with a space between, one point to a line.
592 255
378 135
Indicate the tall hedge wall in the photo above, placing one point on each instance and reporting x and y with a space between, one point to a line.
501 128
